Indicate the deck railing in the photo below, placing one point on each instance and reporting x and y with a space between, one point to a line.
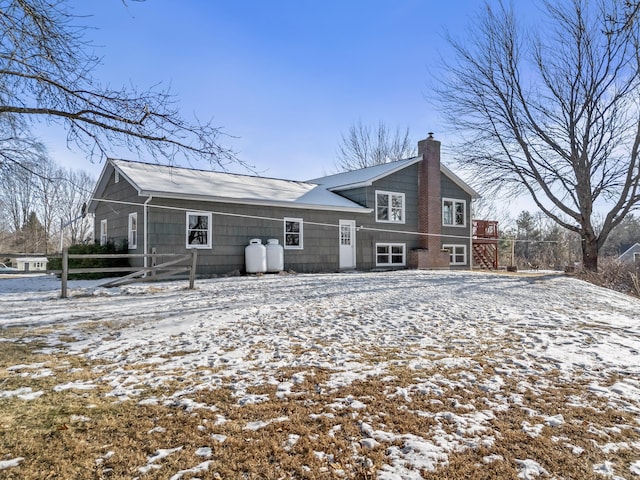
485 229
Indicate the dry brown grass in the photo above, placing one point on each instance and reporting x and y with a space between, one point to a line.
90 435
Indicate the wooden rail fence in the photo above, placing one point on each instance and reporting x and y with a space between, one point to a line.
139 274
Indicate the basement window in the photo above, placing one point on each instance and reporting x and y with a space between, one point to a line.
198 230
390 254
457 254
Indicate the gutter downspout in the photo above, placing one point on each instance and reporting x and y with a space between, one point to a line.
146 230
471 217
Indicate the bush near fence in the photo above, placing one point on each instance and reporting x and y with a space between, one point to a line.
109 248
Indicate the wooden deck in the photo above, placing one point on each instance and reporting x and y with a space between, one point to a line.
485 244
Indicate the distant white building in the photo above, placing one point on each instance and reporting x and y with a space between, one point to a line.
30 264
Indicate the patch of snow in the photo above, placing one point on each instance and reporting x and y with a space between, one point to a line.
204 452
24 393
554 421
14 462
532 430
529 469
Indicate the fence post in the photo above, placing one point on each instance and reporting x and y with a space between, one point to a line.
65 272
153 261
192 271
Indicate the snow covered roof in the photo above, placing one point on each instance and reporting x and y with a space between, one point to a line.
164 181
185 183
366 176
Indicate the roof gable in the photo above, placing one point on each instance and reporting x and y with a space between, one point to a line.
365 177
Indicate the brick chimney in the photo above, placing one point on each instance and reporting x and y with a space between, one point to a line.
429 254
430 203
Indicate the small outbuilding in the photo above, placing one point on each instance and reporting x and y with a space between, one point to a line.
30 264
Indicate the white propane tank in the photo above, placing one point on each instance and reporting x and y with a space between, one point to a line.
255 256
275 256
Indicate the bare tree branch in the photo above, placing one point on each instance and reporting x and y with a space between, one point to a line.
553 113
46 71
364 146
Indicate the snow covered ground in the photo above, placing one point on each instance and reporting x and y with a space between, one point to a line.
238 331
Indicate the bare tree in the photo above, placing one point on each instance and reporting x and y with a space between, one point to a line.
364 146
74 192
46 68
553 113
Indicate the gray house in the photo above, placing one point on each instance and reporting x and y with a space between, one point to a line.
631 253
412 213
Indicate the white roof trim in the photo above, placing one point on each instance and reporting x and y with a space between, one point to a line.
629 249
249 201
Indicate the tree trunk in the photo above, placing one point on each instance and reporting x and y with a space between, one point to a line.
590 253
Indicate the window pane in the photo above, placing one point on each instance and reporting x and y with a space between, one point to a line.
198 231
447 217
292 239
459 213
293 227
382 212
345 235
383 249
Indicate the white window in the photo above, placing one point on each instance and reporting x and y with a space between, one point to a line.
198 230
389 207
390 254
103 232
133 231
454 212
293 233
636 256
116 178
457 254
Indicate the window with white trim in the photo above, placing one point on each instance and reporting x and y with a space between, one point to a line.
454 212
457 254
103 232
293 228
198 230
390 254
133 231
389 207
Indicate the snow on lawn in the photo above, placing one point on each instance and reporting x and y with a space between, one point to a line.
235 332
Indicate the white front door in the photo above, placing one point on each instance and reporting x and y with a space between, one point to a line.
347 234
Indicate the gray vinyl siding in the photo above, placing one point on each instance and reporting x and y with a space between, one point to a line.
448 189
234 225
405 181
117 214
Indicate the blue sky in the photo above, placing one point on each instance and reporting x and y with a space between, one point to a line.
283 77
